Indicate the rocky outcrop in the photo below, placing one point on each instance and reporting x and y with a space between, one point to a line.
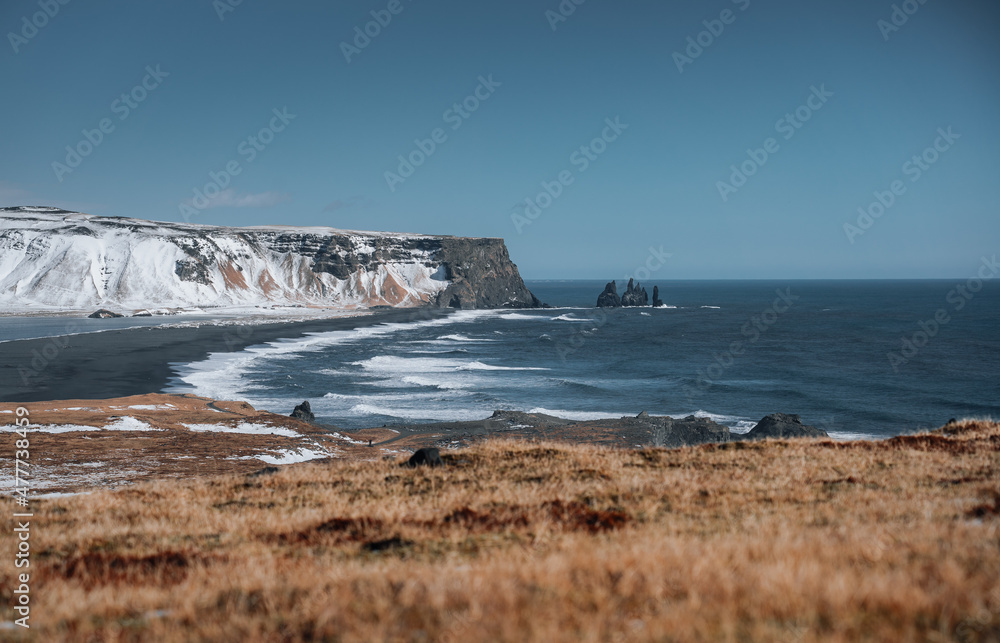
657 302
104 313
303 412
670 432
781 425
54 258
609 298
635 295
480 275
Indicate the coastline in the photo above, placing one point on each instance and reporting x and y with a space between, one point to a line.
138 361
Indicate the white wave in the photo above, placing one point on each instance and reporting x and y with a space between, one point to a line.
711 306
570 318
479 366
463 338
524 317
429 413
581 416
456 384
220 376
645 314
391 364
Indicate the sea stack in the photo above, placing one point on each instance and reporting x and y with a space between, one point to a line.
635 295
609 298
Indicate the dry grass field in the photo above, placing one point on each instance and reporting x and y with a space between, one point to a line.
801 540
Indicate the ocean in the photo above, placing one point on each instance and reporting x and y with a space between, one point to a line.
856 358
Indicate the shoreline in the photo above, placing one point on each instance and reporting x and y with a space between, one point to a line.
138 361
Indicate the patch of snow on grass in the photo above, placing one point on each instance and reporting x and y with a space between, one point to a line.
243 427
291 456
122 424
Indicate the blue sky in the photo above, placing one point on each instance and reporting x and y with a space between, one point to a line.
215 74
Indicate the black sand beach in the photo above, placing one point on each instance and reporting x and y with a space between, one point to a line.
138 360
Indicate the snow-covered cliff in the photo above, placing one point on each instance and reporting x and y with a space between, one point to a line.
54 259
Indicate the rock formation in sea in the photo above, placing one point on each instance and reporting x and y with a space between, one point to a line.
609 298
54 258
657 302
635 295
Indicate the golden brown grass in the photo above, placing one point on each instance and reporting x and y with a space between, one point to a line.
513 541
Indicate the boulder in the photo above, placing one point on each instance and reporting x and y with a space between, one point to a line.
103 313
657 302
427 456
635 295
671 433
609 298
781 425
697 430
303 412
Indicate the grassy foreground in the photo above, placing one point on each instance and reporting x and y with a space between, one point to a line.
513 541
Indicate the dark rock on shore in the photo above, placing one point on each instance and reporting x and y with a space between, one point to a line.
103 313
781 425
609 298
665 431
635 295
303 412
657 302
691 430
428 456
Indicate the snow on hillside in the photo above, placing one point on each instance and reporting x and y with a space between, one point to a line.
54 259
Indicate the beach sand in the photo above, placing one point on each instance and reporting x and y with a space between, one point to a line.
139 361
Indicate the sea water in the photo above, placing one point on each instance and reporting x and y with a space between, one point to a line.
856 358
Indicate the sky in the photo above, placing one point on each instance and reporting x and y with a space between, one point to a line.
722 139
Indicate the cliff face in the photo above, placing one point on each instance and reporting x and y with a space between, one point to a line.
52 258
